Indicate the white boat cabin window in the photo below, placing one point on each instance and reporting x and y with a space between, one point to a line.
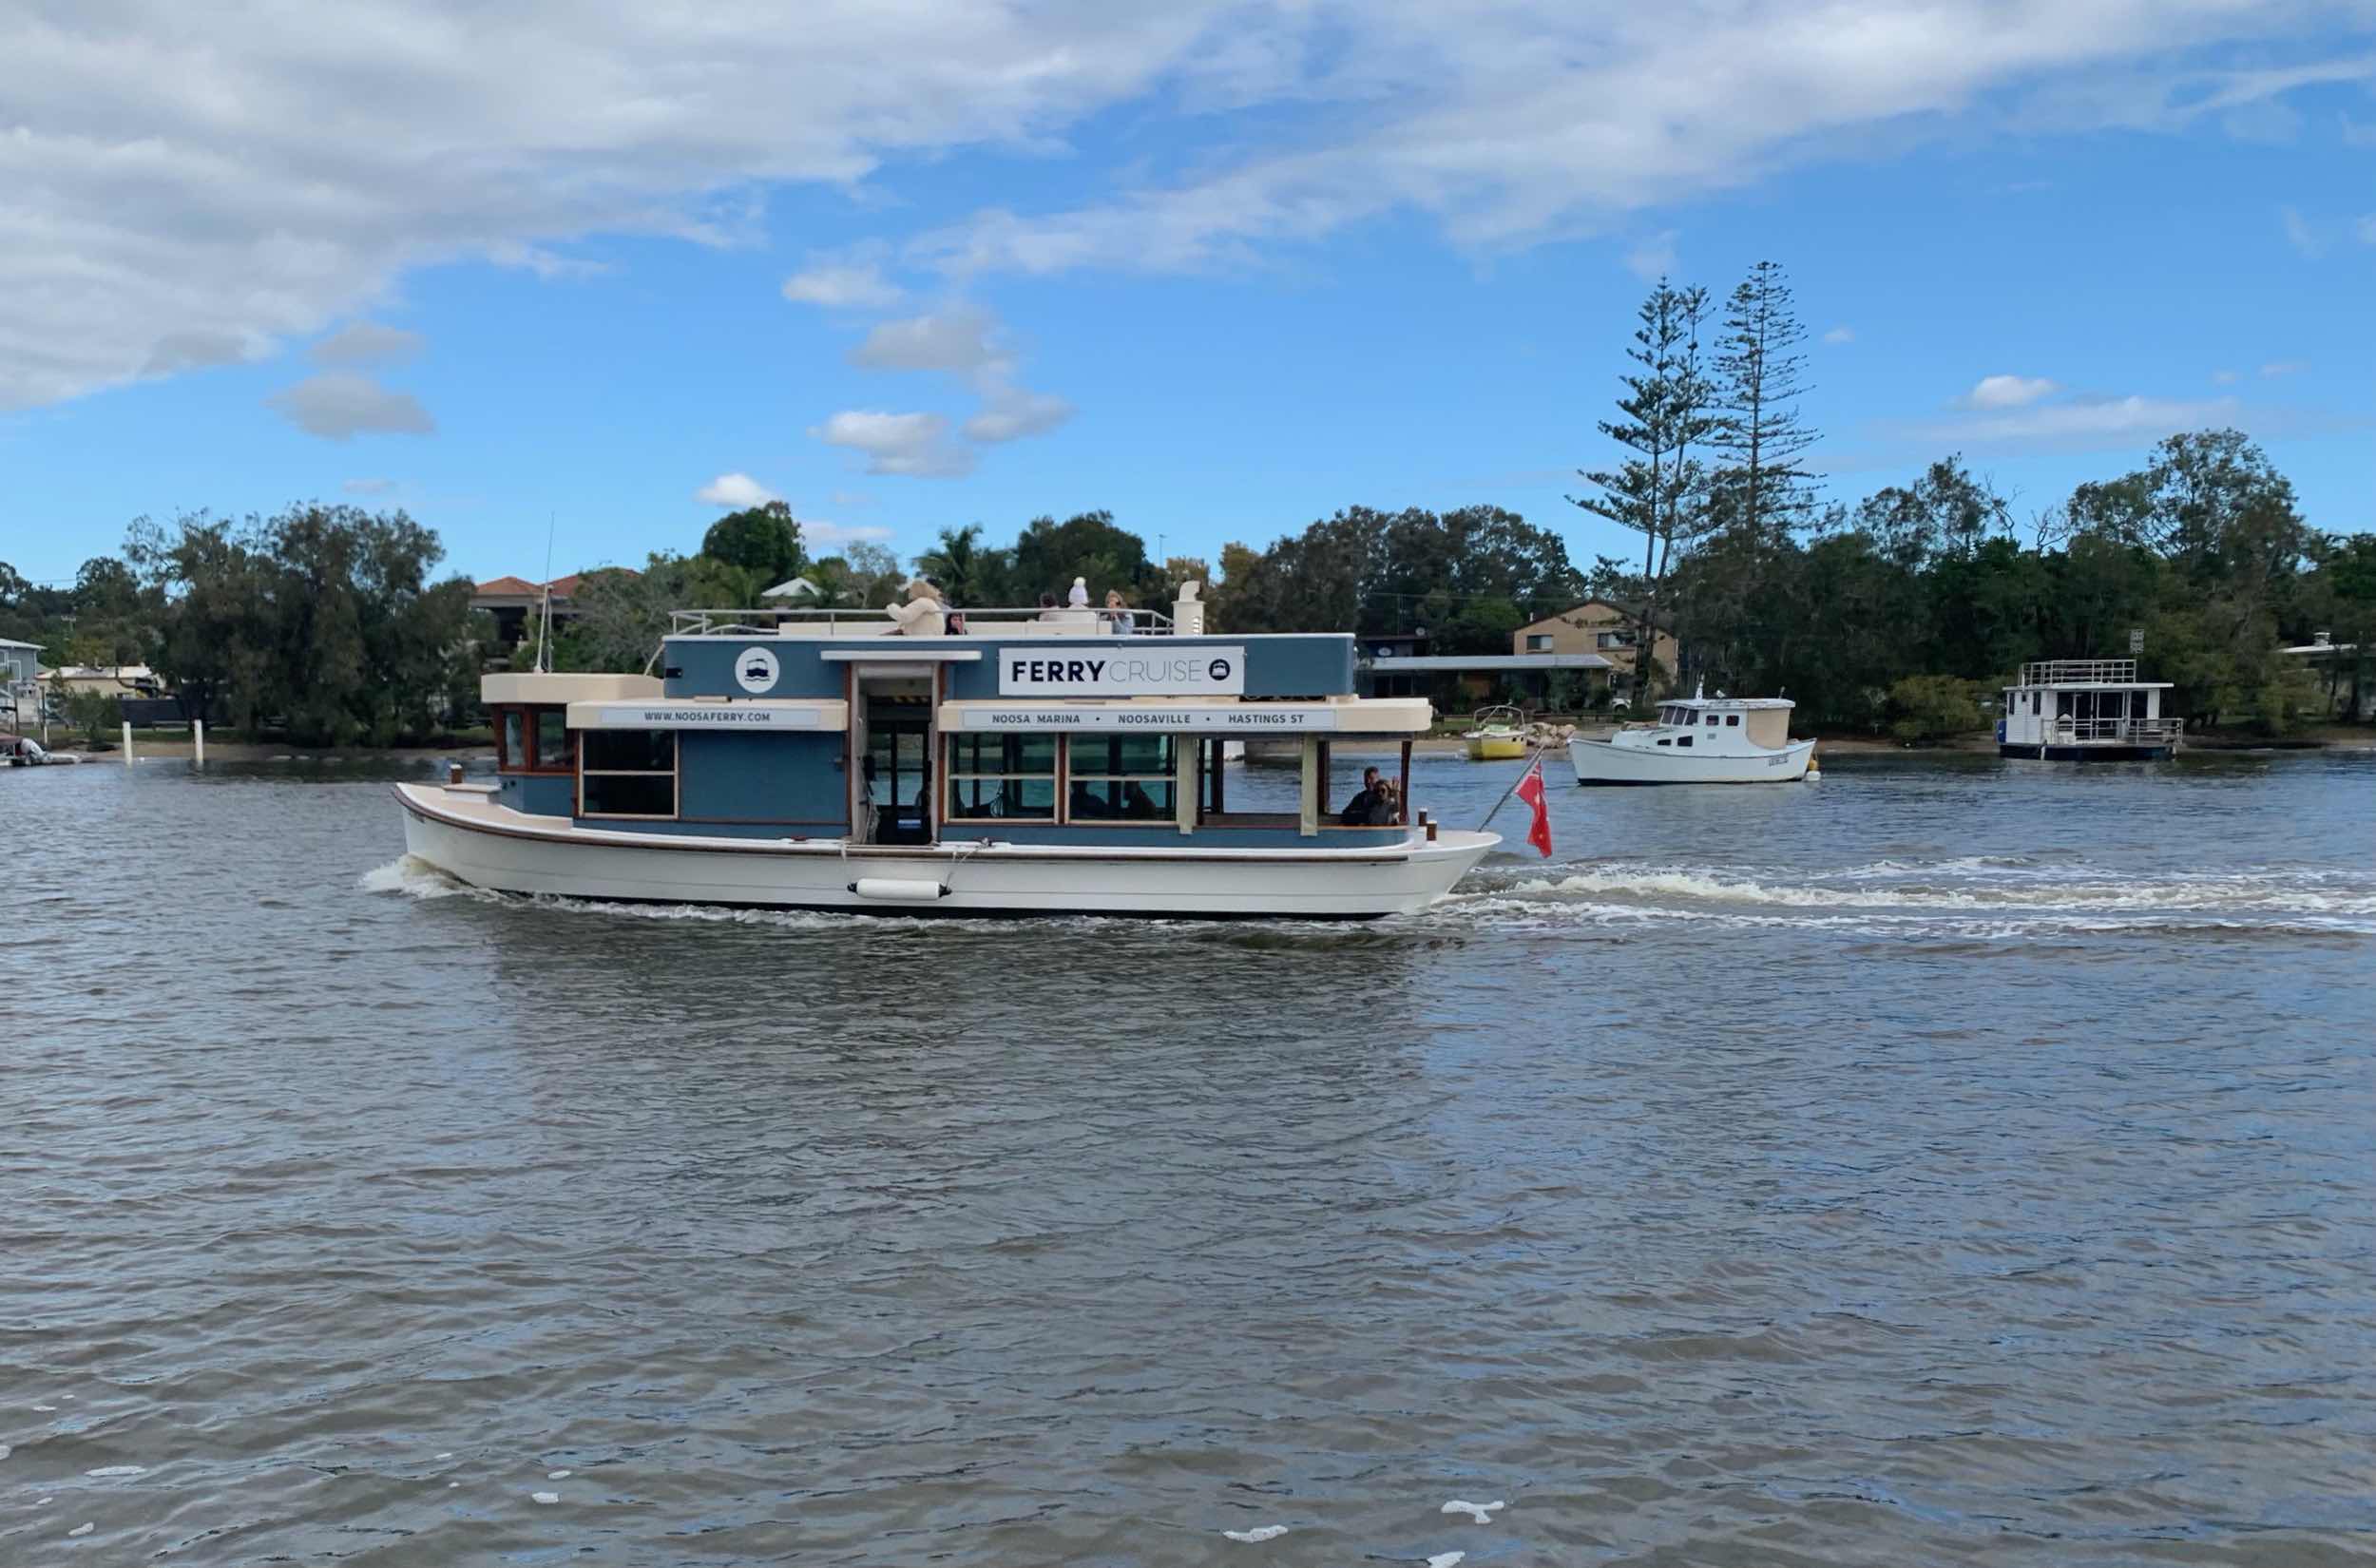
1682 740
1001 777
1712 721
628 773
1732 721
1666 740
554 754
1126 778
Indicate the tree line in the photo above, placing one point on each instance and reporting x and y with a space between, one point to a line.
1900 612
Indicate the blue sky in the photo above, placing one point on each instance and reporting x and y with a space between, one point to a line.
1222 271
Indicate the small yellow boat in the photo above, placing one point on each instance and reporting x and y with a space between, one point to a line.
1500 734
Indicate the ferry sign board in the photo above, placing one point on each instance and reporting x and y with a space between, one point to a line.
1125 670
702 715
1276 718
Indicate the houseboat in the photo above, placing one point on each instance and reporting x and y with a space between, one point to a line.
2086 709
1007 763
1699 740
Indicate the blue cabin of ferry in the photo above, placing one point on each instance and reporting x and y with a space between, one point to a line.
1065 726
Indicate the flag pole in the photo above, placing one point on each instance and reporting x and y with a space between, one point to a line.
1533 758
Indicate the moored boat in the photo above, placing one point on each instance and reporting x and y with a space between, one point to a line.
1498 736
2086 709
1699 740
1020 766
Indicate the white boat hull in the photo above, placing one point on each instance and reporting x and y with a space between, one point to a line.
469 838
1605 762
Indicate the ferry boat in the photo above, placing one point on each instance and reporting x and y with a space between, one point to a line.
1699 740
1028 763
2086 709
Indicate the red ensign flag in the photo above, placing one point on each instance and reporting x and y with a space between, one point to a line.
1530 791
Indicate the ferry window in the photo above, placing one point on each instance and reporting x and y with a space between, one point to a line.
1123 778
1683 741
552 741
628 772
1665 741
1712 721
1001 776
1732 721
511 741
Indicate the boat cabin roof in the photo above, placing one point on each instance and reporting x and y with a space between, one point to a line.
2084 675
1726 704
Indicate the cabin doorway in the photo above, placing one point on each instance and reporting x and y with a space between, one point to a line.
895 766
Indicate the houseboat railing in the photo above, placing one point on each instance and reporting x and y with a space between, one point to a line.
2080 672
2119 732
1017 619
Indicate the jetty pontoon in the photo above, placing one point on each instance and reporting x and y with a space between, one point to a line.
1031 763
2086 709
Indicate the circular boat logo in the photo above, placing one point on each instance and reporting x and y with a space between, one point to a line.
1219 670
755 670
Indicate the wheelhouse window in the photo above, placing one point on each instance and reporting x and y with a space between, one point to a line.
555 750
1712 721
1732 721
511 741
1125 777
628 772
1009 777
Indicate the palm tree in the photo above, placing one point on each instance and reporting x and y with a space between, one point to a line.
956 565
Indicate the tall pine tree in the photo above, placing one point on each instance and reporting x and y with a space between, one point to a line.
1762 488
1666 416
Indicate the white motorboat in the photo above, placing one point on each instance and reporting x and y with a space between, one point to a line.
1699 740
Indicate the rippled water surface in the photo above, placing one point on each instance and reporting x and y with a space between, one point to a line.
1948 1161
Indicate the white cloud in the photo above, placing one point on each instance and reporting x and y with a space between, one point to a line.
818 535
735 491
858 286
2276 368
2299 234
967 342
2007 392
367 343
857 500
1010 413
197 350
1840 335
2364 230
368 487
181 174
957 341
1653 256
2079 425
337 405
1508 124
2223 378
913 444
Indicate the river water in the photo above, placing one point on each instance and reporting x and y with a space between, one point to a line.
1949 1161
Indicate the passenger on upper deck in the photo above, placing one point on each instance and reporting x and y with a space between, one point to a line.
1118 616
922 616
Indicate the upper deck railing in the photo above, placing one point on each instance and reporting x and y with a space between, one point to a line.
2080 672
999 620
2117 732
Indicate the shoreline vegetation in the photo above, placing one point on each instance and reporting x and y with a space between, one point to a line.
1892 618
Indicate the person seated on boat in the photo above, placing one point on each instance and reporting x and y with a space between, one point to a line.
922 615
1372 807
1116 617
1137 805
1047 608
1079 598
1088 802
